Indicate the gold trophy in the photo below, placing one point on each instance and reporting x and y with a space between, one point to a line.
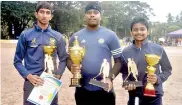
132 70
104 71
76 54
152 60
48 60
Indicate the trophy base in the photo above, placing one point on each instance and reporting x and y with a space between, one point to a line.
149 93
75 82
99 84
136 83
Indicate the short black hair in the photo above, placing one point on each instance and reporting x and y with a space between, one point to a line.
139 20
45 5
93 5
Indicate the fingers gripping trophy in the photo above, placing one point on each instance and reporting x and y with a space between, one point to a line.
76 54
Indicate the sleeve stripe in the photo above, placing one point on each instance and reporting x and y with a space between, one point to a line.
116 54
116 50
119 52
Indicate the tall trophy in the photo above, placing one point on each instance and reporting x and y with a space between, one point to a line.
76 54
132 71
48 60
104 71
152 60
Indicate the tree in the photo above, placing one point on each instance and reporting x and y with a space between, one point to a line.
67 16
120 14
173 28
170 18
158 30
16 14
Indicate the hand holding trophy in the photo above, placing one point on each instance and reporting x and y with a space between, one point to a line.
152 60
76 54
132 70
104 70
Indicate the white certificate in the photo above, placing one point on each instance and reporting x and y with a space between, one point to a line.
43 95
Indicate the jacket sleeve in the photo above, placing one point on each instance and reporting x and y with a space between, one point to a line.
165 68
115 46
62 55
19 56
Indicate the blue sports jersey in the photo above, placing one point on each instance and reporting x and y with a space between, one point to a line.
100 44
30 49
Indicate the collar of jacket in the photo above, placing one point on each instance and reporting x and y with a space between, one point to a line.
40 29
144 44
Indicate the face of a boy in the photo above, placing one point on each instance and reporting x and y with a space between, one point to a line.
43 16
139 32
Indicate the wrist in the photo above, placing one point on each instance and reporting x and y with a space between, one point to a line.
112 77
158 80
57 76
29 76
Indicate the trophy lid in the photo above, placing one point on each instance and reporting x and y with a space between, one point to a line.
76 42
152 59
49 49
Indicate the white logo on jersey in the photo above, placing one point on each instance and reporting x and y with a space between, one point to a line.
83 41
101 40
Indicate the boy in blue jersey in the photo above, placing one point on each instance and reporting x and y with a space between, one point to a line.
30 49
100 43
137 51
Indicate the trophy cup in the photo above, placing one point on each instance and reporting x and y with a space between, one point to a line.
104 70
152 60
76 54
48 60
132 69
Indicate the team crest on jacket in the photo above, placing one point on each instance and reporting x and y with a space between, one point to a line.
101 40
33 43
52 42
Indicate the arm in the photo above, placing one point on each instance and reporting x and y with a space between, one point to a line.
19 56
116 69
69 62
116 53
62 55
165 68
124 69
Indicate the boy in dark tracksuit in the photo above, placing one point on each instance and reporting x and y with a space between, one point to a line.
30 49
137 51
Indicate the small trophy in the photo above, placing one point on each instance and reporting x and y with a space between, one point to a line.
48 60
132 69
76 54
152 60
104 70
